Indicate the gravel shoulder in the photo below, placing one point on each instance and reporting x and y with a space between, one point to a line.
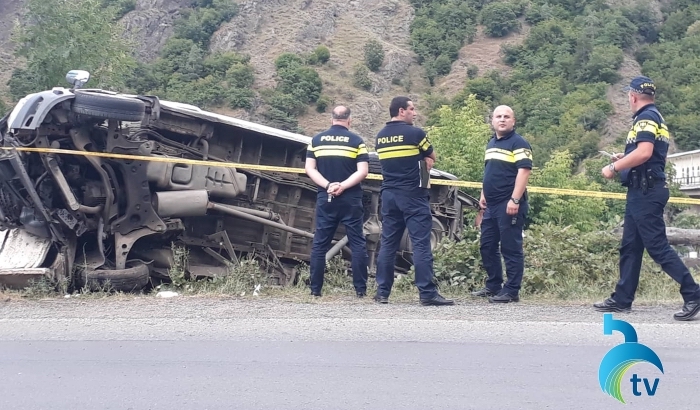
264 318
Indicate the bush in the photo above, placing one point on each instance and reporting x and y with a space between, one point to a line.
360 77
472 71
320 55
560 262
22 82
601 64
542 12
499 19
240 98
200 23
282 120
122 6
440 28
443 65
240 75
220 63
677 23
322 103
288 60
374 55
303 83
203 92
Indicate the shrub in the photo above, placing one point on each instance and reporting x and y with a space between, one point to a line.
440 28
560 262
288 60
322 103
472 71
240 75
303 83
122 6
282 120
320 55
240 98
499 19
443 65
374 55
360 77
219 63
200 23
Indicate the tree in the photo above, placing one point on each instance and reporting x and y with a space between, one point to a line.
288 60
303 83
374 55
499 19
360 78
59 35
459 137
580 212
320 55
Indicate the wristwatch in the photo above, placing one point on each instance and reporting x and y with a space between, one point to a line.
611 167
328 186
515 201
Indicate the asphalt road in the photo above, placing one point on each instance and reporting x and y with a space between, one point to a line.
204 353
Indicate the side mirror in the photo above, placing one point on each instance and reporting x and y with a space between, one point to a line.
77 78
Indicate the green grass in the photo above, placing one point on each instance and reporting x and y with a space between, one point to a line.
248 280
242 283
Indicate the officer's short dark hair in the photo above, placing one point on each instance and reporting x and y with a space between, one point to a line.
341 113
396 104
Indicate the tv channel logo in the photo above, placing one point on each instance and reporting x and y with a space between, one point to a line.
623 356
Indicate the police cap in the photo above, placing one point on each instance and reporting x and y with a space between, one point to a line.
641 85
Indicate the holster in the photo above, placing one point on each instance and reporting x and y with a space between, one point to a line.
643 179
650 179
644 183
634 179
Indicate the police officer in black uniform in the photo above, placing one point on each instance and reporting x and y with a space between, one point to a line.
337 161
406 157
508 160
641 170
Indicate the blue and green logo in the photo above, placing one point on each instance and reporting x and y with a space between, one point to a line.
623 356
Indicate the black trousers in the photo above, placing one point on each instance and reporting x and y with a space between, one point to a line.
502 235
349 211
401 211
645 229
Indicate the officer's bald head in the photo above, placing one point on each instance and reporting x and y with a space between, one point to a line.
504 109
341 113
503 120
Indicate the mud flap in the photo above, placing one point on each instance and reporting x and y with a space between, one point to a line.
21 255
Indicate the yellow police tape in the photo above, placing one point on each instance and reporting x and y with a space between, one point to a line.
271 168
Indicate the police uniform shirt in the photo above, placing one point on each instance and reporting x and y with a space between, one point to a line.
400 148
503 158
337 152
648 126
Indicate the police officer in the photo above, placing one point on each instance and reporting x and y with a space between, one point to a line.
337 161
406 157
641 170
508 162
